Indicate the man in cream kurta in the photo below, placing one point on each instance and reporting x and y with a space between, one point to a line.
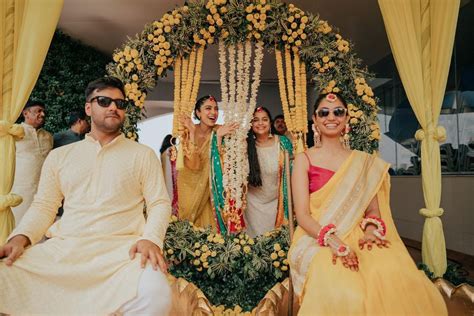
31 152
88 266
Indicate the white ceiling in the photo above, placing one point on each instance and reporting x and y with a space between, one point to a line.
105 24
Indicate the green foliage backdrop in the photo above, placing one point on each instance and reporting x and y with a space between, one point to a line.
68 68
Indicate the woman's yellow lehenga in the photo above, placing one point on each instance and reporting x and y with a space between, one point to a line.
194 195
388 282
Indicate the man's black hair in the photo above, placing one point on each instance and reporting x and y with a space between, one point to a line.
104 83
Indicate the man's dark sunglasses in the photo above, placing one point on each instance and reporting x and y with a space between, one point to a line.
106 102
338 112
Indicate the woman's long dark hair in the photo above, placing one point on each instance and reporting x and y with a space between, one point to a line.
166 143
254 177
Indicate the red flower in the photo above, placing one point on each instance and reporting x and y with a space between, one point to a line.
331 97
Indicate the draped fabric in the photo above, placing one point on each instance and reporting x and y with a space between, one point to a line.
388 281
421 35
194 194
286 153
26 30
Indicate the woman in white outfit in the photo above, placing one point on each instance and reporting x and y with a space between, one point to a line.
269 162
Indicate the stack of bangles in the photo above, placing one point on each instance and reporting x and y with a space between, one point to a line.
381 229
326 238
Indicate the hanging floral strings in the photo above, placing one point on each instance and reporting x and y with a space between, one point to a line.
292 81
292 89
305 46
239 98
187 76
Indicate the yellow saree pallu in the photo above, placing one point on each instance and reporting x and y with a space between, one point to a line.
388 282
194 194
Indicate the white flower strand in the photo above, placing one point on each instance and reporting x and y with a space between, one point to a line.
232 85
247 64
255 80
234 169
241 99
223 78
240 110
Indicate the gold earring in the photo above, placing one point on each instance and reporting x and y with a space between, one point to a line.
345 139
317 136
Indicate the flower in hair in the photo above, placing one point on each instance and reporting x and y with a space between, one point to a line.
331 97
211 98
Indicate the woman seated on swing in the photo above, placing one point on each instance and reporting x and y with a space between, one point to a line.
347 257
194 196
269 164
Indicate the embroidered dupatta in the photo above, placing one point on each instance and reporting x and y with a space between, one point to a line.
216 183
358 181
285 153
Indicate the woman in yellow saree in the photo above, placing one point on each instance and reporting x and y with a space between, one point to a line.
194 195
346 257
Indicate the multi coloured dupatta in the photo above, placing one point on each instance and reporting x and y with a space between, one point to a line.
226 223
216 183
286 151
174 180
343 206
217 188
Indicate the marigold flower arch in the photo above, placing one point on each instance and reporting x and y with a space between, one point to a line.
306 47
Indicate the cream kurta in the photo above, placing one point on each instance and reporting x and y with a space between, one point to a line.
85 267
31 152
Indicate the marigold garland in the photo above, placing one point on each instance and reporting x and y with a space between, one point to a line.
294 103
303 83
325 54
197 74
282 89
186 86
177 95
326 59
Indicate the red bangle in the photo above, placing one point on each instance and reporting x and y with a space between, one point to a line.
324 233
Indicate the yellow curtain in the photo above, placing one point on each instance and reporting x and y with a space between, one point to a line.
421 35
26 30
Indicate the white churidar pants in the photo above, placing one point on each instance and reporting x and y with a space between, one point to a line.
153 295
